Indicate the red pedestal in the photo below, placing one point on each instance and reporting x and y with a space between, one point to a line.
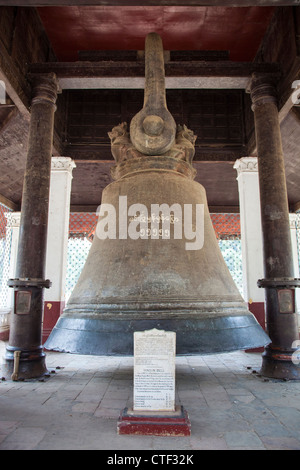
52 311
159 423
4 335
258 310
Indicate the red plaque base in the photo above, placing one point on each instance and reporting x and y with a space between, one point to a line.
155 423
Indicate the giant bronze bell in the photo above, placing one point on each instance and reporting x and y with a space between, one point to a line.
154 261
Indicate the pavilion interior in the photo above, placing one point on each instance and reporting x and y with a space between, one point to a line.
96 50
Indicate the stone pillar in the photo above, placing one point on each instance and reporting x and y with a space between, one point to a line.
57 241
279 282
26 322
251 235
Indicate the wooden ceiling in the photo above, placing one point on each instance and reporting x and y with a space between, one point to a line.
78 28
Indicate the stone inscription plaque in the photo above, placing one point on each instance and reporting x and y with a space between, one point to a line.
154 370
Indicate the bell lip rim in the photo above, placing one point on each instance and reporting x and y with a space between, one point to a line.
64 338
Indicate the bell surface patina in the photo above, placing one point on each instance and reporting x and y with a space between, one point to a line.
155 260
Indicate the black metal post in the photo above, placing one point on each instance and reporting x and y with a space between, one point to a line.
279 282
26 322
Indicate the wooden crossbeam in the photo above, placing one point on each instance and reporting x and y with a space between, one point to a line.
120 74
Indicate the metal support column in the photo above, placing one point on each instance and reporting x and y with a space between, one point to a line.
279 282
24 354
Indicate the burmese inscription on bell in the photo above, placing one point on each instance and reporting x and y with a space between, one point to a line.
154 370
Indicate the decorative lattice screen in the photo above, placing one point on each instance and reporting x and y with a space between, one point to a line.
228 232
298 235
78 249
5 247
81 231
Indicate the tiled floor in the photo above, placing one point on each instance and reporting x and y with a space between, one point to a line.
230 405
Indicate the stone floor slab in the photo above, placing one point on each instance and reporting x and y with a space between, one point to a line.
229 404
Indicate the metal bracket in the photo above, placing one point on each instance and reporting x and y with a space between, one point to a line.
283 282
27 282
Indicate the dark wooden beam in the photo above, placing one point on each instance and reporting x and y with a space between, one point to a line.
20 27
231 3
8 203
286 53
296 206
130 75
132 55
84 69
224 209
83 208
7 111
296 14
287 88
17 87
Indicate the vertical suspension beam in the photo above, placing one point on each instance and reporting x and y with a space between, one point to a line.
26 323
279 282
153 129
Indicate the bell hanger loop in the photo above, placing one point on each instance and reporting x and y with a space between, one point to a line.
153 129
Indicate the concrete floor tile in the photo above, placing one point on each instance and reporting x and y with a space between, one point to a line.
78 407
25 438
208 443
243 440
110 413
6 427
84 407
281 443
